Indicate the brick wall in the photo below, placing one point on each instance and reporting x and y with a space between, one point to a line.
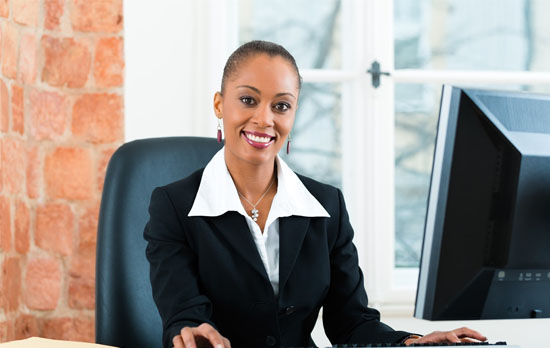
61 118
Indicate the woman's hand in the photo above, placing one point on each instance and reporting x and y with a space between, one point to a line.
203 336
455 336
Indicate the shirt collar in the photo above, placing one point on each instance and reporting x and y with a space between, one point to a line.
217 193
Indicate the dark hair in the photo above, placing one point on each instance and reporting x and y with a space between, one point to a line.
252 48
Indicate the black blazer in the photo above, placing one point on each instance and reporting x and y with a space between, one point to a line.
208 270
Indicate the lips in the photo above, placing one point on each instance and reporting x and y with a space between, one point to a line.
257 139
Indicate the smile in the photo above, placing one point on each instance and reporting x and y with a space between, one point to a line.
258 140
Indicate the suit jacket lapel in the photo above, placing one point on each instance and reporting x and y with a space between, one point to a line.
234 229
292 231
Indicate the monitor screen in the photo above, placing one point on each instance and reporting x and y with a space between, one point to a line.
486 247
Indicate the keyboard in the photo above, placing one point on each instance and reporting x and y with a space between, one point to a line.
430 345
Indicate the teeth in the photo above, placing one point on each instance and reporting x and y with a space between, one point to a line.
257 139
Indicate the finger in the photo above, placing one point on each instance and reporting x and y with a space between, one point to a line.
411 340
211 334
467 332
188 338
178 342
226 343
451 337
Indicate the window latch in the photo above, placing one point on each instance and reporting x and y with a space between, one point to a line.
376 72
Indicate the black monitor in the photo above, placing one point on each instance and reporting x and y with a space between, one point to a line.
486 247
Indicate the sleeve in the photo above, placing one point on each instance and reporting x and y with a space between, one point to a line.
346 315
173 270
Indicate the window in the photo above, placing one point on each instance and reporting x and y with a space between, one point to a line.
484 43
374 143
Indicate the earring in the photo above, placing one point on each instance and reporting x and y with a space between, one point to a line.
288 144
219 130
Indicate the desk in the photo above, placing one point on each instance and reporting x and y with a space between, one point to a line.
37 342
525 333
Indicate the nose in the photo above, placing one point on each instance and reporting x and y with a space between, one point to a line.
263 116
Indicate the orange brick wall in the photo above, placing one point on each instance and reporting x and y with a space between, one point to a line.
61 118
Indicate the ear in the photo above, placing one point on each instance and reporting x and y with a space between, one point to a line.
218 105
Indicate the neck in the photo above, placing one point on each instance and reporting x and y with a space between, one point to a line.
251 180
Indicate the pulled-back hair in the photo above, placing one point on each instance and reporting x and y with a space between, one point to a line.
253 48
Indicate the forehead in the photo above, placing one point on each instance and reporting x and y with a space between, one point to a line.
266 73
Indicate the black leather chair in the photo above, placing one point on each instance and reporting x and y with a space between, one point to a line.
126 315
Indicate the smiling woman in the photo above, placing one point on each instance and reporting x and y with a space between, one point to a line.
267 102
232 247
257 104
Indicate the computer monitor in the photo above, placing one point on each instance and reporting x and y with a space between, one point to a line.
486 247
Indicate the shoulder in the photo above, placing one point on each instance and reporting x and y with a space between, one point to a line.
328 195
182 192
316 188
189 182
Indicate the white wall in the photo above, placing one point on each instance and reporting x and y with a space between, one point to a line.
174 51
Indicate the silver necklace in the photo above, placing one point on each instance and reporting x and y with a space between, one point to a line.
255 212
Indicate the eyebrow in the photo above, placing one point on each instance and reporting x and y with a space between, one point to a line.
258 91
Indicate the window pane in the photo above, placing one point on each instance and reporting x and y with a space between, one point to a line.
316 135
416 115
309 31
416 112
472 34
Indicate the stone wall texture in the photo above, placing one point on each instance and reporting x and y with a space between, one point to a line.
61 118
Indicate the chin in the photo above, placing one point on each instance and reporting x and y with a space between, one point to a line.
259 157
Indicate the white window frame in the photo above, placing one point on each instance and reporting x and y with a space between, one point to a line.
391 289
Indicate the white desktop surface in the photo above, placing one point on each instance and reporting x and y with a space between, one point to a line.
39 342
524 333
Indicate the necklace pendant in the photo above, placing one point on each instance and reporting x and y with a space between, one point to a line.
255 214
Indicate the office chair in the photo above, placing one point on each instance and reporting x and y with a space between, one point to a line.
126 315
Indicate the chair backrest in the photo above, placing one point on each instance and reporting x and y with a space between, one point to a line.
126 315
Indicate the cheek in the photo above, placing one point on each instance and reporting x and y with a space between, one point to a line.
286 124
230 128
232 119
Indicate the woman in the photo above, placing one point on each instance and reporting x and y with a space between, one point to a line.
244 252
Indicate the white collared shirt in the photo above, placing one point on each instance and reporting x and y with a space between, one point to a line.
217 195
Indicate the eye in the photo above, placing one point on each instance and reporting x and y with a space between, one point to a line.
247 100
282 107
